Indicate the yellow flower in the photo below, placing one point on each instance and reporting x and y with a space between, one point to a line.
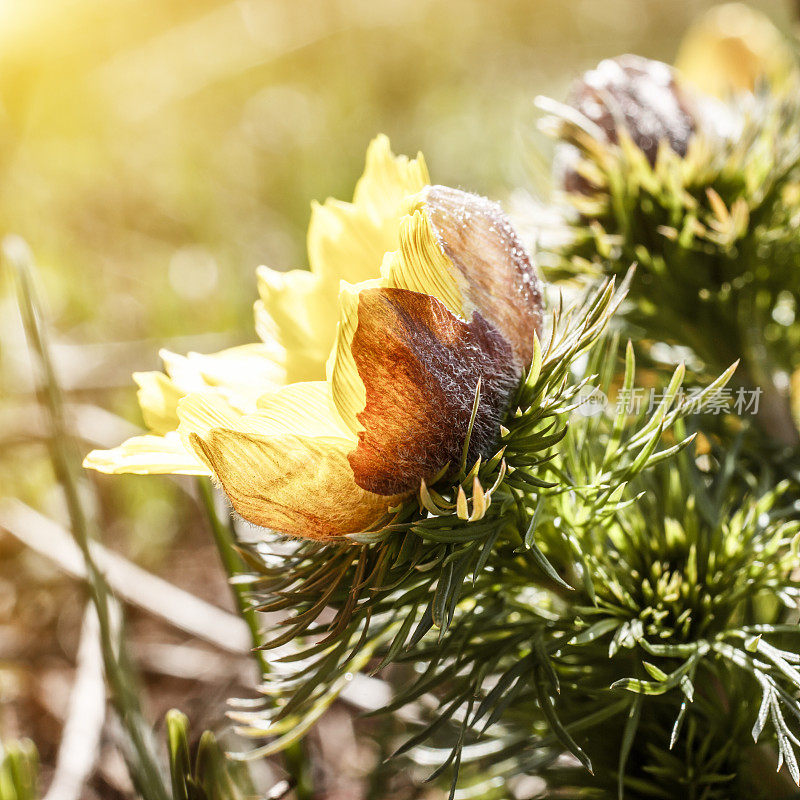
731 48
415 294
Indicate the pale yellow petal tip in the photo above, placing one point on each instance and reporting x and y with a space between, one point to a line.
146 455
112 462
379 149
348 240
347 389
158 399
408 171
420 264
101 461
275 280
266 328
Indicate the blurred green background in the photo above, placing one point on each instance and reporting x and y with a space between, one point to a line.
154 152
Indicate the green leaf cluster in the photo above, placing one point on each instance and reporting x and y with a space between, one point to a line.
610 601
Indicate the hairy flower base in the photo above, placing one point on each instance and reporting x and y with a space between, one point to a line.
442 361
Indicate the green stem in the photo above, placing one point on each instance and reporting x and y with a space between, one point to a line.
774 410
232 564
142 761
298 766
296 758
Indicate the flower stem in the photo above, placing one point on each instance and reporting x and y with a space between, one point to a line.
224 539
295 755
774 412
141 758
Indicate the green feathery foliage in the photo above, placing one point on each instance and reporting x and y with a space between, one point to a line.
474 599
677 655
674 651
715 235
677 669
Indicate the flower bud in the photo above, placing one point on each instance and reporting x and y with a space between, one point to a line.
638 95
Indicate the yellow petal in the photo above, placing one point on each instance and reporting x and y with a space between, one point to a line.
239 374
301 408
420 265
299 312
304 409
199 413
347 388
296 485
388 179
158 398
147 455
347 241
